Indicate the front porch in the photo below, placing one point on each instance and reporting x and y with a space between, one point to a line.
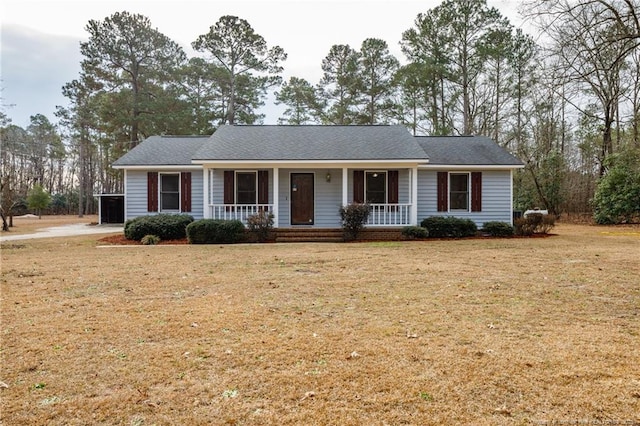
310 195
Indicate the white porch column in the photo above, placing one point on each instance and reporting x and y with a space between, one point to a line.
345 185
276 195
205 193
414 196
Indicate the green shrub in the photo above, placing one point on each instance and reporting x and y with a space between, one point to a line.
353 216
415 232
449 227
498 229
260 224
534 223
150 240
165 226
617 196
215 231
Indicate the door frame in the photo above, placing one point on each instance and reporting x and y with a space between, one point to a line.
313 211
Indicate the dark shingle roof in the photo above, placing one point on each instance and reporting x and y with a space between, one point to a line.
466 151
162 151
268 142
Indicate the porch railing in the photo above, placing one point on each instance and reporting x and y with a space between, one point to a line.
237 211
389 215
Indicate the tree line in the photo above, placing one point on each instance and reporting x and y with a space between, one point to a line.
567 103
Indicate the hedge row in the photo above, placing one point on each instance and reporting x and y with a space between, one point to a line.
449 227
165 226
214 231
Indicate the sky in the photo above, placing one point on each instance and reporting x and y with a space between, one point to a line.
40 40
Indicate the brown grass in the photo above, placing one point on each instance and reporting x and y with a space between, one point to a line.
482 332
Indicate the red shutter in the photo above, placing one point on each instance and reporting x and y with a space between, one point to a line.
229 196
358 186
152 191
476 191
392 186
443 191
185 191
263 187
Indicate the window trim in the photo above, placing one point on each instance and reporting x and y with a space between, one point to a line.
255 188
385 186
160 192
468 192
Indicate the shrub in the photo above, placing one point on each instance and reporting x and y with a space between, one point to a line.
617 196
354 216
165 226
214 231
260 224
449 227
415 232
150 240
534 223
498 229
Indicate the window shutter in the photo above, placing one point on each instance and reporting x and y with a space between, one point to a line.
263 187
392 186
358 186
443 191
476 191
152 191
229 196
185 191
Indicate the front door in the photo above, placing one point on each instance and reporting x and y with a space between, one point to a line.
302 204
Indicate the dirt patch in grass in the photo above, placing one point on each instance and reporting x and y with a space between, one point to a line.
496 331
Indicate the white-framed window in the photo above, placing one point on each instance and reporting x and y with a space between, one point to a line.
375 187
246 187
459 191
169 192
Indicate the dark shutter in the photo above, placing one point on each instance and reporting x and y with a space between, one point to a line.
443 191
263 187
152 191
185 191
358 186
392 186
229 196
476 191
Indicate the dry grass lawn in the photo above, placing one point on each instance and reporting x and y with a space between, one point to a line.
478 332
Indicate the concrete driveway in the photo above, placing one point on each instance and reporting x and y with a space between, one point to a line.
66 231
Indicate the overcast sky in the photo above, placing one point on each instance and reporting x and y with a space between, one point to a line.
40 40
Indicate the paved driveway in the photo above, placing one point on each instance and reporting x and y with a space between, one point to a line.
65 231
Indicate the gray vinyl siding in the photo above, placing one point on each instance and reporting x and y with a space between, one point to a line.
328 197
136 193
496 197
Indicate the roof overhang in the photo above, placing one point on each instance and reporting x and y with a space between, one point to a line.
159 167
231 164
471 166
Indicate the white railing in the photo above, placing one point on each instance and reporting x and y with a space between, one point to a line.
237 211
389 215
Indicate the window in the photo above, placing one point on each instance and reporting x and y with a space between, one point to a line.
170 192
246 184
375 187
459 191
